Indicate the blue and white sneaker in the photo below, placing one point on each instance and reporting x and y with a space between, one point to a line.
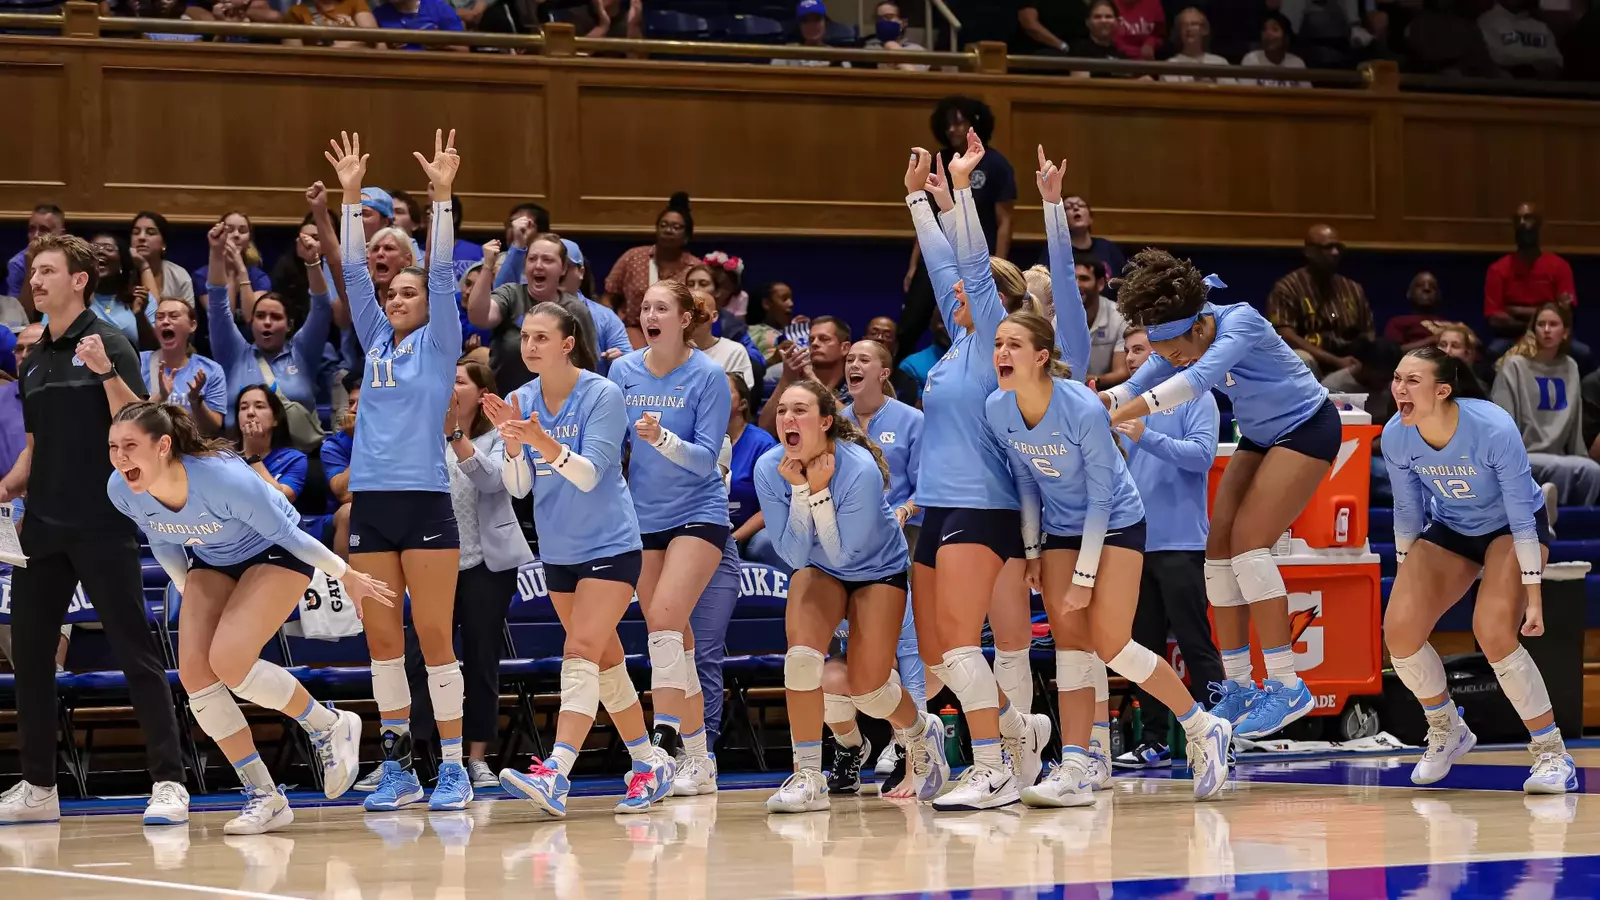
1553 771
648 783
1208 757
541 785
1274 708
453 790
1067 784
1148 755
1449 739
1230 699
397 789
926 765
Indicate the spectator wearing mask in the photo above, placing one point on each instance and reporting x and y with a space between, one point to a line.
240 271
919 364
180 376
610 334
1518 42
1320 313
1276 35
330 13
822 362
641 267
889 33
1048 27
541 261
118 298
1080 226
47 218
730 355
420 15
160 276
1420 327
1194 31
1108 357
1101 40
1519 282
811 20
1141 28
1539 386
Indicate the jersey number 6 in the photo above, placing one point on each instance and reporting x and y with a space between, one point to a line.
1044 467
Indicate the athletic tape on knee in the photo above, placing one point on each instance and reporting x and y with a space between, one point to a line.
1522 684
969 677
447 690
1102 684
1259 578
217 712
1134 662
1422 672
802 669
1014 676
838 708
267 686
389 685
616 689
1075 670
880 703
668 665
1222 588
580 687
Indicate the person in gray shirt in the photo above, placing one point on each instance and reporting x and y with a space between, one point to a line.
1538 385
532 273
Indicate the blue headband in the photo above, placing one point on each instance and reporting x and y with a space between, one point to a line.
1166 331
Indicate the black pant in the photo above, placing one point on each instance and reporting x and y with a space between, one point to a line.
483 598
1172 596
917 313
108 567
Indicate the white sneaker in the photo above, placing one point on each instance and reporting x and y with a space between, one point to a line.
338 751
1449 739
887 759
1553 771
1027 752
481 775
169 804
696 775
926 766
804 791
26 803
1208 757
370 783
980 787
1068 784
263 811
1099 770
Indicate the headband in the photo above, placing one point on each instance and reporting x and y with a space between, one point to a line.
1166 331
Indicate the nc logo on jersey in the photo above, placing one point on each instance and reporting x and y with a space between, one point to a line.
885 437
292 369
1304 610
355 540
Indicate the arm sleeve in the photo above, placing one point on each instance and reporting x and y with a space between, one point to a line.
483 469
1522 498
444 320
825 521
699 455
789 519
173 561
227 344
938 256
358 286
517 476
972 259
313 333
1152 373
257 504
1197 447
1072 323
1235 339
1410 496
511 269
1030 501
1100 462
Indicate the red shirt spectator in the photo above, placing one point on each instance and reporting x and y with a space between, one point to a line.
1141 28
1513 281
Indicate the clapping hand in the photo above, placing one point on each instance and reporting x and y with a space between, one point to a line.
917 170
939 186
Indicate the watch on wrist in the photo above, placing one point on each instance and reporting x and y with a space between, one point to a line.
104 377
457 435
252 460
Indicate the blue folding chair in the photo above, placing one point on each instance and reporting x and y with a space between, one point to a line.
666 23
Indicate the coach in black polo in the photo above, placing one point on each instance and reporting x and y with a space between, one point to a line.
81 372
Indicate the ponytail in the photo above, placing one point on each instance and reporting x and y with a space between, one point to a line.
582 355
842 428
1453 373
160 420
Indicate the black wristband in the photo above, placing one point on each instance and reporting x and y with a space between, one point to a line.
106 377
252 460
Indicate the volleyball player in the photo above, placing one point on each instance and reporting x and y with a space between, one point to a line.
251 565
402 524
971 526
1289 437
1464 501
678 404
568 451
835 528
1064 454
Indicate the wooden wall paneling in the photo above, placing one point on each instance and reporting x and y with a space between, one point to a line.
36 157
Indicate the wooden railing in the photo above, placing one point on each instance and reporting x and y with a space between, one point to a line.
107 126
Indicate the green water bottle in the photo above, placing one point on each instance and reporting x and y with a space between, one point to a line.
1177 741
952 735
1138 724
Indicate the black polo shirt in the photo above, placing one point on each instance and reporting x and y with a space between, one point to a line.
64 407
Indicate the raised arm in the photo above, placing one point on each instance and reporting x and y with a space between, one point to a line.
931 238
313 333
972 249
482 311
359 291
1072 323
228 346
444 323
328 242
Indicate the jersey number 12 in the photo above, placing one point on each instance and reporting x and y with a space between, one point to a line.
1455 489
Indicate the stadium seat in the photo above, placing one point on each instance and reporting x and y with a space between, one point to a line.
745 29
840 34
665 23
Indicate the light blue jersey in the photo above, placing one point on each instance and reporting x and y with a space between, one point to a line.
862 542
1273 392
678 482
118 316
292 370
1069 461
1170 463
405 388
575 526
966 469
1477 483
609 332
897 430
215 390
230 515
1072 322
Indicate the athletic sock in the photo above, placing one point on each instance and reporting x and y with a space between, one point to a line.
1280 665
316 717
807 755
1236 665
450 749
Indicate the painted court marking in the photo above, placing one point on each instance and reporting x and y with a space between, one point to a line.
146 882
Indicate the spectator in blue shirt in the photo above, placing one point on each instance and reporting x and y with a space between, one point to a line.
420 15
47 218
242 264
336 451
919 364
178 375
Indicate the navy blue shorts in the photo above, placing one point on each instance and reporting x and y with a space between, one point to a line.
1474 547
897 580
1318 437
391 521
272 556
998 529
711 532
1129 538
622 568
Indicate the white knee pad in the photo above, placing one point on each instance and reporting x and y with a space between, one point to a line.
1102 684
1222 588
1134 662
1522 684
668 665
267 686
447 690
580 687
1075 670
692 673
389 685
937 670
838 709
1259 578
802 669
880 703
970 679
1014 676
1422 672
217 712
616 689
